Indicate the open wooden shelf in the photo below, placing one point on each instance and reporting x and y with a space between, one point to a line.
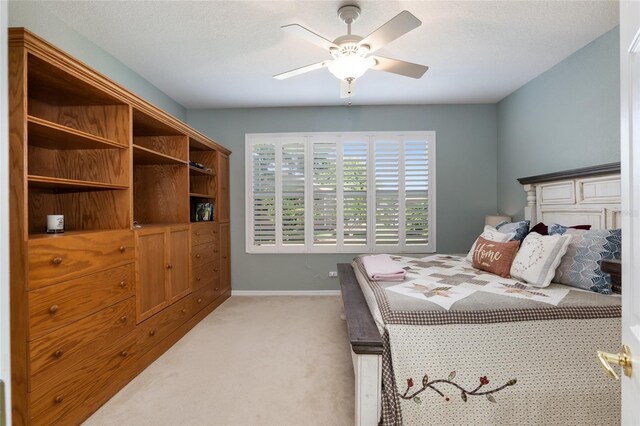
55 183
196 194
50 135
201 171
146 156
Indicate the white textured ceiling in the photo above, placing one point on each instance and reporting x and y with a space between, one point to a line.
223 53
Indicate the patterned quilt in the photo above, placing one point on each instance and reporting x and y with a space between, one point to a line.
466 347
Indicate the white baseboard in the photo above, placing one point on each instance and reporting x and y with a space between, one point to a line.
285 292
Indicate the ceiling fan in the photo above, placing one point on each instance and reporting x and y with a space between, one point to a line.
352 54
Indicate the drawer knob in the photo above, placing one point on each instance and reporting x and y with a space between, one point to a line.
152 332
197 256
124 354
197 278
184 310
58 353
123 283
199 300
124 318
224 257
197 234
122 249
56 260
216 289
169 266
58 399
53 309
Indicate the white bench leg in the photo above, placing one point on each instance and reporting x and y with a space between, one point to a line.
368 372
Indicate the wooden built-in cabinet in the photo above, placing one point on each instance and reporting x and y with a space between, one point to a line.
133 271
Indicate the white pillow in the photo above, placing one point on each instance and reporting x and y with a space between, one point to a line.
492 234
538 258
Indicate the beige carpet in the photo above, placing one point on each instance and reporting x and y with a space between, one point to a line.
253 361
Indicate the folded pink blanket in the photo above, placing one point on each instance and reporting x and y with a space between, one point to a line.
381 267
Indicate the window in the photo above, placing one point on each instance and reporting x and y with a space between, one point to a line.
340 192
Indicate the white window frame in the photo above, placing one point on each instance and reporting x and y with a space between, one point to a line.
309 247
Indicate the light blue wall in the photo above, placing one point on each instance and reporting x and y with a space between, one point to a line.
568 117
35 17
466 177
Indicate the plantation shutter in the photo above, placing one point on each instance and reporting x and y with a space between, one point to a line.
354 198
416 154
349 192
293 158
325 195
387 175
263 205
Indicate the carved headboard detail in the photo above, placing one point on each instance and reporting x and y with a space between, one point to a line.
586 196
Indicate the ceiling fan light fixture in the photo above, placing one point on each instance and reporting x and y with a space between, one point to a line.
350 67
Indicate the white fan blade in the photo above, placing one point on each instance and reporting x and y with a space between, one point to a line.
302 70
397 66
310 36
398 26
347 89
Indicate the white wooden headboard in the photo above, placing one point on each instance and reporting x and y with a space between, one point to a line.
586 196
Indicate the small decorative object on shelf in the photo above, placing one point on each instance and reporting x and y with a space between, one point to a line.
204 212
55 224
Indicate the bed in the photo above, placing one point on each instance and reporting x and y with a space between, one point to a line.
496 352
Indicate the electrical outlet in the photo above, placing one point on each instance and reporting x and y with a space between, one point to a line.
333 274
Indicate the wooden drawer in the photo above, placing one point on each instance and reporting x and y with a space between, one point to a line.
205 232
204 296
60 258
64 396
61 349
55 306
203 254
203 275
63 400
159 326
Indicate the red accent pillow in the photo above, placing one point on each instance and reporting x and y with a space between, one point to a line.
543 229
495 257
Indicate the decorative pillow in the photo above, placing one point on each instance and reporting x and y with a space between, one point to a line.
520 228
543 229
494 257
556 228
490 233
580 266
538 258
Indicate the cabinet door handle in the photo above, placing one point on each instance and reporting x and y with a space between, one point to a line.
216 289
152 332
215 250
124 318
56 260
197 256
197 234
58 353
184 310
123 283
122 249
197 278
53 309
58 399
169 266
199 300
124 354
215 269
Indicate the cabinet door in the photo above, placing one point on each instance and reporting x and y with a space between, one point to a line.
223 188
225 258
179 244
151 283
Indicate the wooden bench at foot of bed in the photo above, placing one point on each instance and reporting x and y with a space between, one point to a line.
366 348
